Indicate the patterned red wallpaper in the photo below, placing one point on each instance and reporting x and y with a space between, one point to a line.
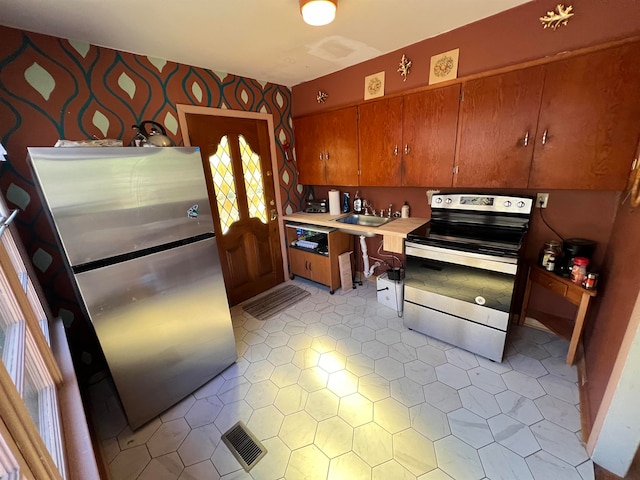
52 88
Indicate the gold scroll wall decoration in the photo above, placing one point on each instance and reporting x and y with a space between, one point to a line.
321 97
554 20
404 68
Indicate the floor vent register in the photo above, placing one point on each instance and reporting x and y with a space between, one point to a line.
244 445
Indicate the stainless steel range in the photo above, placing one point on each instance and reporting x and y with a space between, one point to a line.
461 270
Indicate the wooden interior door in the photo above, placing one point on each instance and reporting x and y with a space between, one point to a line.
429 137
237 164
498 121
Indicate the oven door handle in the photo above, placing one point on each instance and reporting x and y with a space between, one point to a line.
467 259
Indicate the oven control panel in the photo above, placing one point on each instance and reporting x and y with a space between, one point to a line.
483 203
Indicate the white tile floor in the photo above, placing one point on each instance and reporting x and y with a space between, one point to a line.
337 388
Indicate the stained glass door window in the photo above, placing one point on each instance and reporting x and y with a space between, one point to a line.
253 183
223 181
225 186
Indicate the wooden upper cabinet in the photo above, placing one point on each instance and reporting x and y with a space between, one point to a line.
309 157
380 142
429 137
589 121
340 138
498 120
327 148
410 140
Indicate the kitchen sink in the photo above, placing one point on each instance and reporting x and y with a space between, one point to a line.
363 221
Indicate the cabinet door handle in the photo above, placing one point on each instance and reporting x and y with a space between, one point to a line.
395 151
525 141
406 149
326 155
544 137
306 265
310 267
321 156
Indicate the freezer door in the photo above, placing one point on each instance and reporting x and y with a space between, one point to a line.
163 323
110 201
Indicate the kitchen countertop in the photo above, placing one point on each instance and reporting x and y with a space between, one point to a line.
399 227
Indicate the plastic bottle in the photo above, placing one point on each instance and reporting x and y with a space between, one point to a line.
345 203
579 269
357 203
405 210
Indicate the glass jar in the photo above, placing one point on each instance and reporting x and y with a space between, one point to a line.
552 250
590 281
579 269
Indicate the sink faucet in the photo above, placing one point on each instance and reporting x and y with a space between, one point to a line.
389 211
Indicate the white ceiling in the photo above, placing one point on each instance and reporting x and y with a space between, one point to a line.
261 39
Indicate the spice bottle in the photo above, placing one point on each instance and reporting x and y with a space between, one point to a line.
405 210
579 269
590 281
551 251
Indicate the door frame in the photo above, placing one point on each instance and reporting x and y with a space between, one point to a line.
183 110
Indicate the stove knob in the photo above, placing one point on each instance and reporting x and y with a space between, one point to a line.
438 200
507 204
449 201
520 204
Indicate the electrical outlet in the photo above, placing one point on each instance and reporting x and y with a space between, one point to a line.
542 199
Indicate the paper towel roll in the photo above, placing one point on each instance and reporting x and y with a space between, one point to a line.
334 202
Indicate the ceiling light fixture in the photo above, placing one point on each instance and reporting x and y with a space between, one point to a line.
318 12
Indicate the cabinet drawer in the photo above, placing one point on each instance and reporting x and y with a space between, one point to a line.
548 282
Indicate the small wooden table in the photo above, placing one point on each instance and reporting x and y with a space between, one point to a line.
567 328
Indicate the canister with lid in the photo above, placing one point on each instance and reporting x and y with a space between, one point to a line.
579 269
550 253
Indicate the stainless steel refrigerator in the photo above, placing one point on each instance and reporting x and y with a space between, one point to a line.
136 230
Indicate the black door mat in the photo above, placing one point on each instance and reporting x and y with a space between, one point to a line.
244 445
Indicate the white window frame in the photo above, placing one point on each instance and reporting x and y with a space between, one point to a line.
27 352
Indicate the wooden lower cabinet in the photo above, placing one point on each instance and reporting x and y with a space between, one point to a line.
321 264
313 266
